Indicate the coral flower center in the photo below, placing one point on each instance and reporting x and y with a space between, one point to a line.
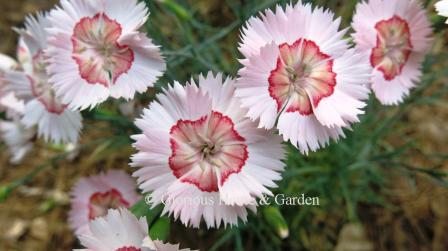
101 202
206 151
393 47
99 56
41 88
303 77
128 249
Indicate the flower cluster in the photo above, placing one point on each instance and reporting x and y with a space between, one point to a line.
218 139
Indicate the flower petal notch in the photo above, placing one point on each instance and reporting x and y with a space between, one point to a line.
97 52
300 76
397 35
200 157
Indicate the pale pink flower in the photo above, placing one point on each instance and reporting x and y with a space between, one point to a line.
13 107
96 51
13 133
160 246
24 56
396 34
8 101
93 196
120 230
6 63
298 70
54 121
17 138
201 157
442 8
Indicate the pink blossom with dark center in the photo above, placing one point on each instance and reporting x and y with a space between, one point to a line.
396 34
201 157
96 51
300 76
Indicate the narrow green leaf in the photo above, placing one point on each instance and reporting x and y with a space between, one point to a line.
275 219
177 9
5 191
160 229
141 208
